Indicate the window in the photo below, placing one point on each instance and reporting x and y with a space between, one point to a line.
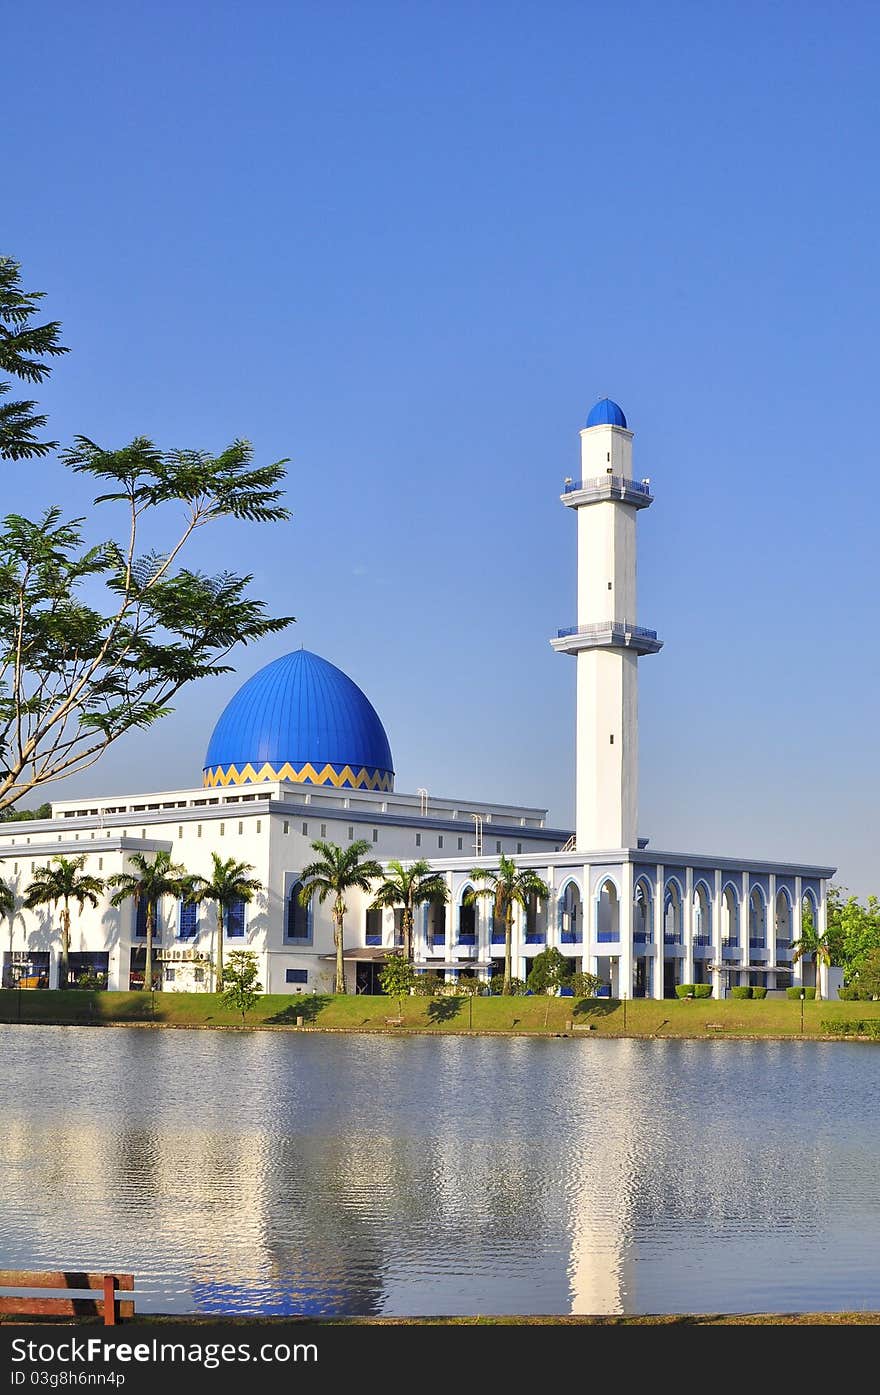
296 975
519 847
611 740
460 844
440 840
375 835
418 840
199 975
323 830
498 847
198 830
187 920
140 921
286 826
259 824
222 829
374 927
350 832
169 974
305 829
235 920
240 826
143 833
100 865
180 830
298 915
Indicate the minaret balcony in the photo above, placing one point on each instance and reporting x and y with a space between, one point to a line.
607 634
605 487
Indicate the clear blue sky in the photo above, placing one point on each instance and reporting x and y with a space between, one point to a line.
408 246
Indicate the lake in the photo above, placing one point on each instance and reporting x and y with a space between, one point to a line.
270 1172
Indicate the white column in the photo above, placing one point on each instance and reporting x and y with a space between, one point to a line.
771 927
717 956
687 926
822 969
588 954
797 976
659 890
745 929
625 926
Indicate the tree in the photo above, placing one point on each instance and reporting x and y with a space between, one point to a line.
854 930
868 975
63 880
550 970
812 945
584 985
508 887
229 884
334 873
43 811
96 640
150 882
397 978
7 902
23 347
410 887
241 988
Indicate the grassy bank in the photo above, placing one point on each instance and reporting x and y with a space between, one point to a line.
855 1319
541 1016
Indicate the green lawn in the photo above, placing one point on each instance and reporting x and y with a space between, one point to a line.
540 1015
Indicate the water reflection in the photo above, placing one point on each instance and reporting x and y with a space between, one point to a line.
262 1172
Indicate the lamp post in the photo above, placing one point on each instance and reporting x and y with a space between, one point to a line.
624 1010
803 996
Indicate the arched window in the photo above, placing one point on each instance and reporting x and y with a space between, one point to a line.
642 913
702 915
298 915
672 918
757 919
467 920
729 918
571 915
785 931
607 913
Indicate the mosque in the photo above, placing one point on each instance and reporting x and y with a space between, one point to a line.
300 753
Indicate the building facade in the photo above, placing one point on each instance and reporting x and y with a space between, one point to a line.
300 754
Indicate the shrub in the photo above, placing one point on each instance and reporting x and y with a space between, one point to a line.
741 991
702 990
853 994
584 985
759 992
517 986
684 990
809 993
857 1027
426 985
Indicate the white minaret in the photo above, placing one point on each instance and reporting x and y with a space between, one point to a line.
606 640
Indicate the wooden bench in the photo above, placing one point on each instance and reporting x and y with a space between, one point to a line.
69 1289
715 1026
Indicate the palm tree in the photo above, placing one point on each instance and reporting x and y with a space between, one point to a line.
335 871
410 887
508 887
7 910
229 883
63 879
812 945
149 882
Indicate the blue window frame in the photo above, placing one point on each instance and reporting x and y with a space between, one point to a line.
187 920
298 918
374 927
234 926
296 975
140 922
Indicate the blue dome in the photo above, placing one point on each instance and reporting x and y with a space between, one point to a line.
606 413
300 718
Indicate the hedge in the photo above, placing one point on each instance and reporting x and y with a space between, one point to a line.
856 1027
741 991
809 993
693 990
702 990
758 992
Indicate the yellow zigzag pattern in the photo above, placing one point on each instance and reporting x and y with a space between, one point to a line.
307 775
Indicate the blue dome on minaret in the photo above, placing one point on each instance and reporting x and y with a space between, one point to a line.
302 719
606 413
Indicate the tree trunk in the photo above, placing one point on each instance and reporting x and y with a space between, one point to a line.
65 946
218 986
818 979
508 937
408 933
148 966
337 939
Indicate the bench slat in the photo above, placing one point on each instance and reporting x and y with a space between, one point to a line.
70 1278
62 1307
